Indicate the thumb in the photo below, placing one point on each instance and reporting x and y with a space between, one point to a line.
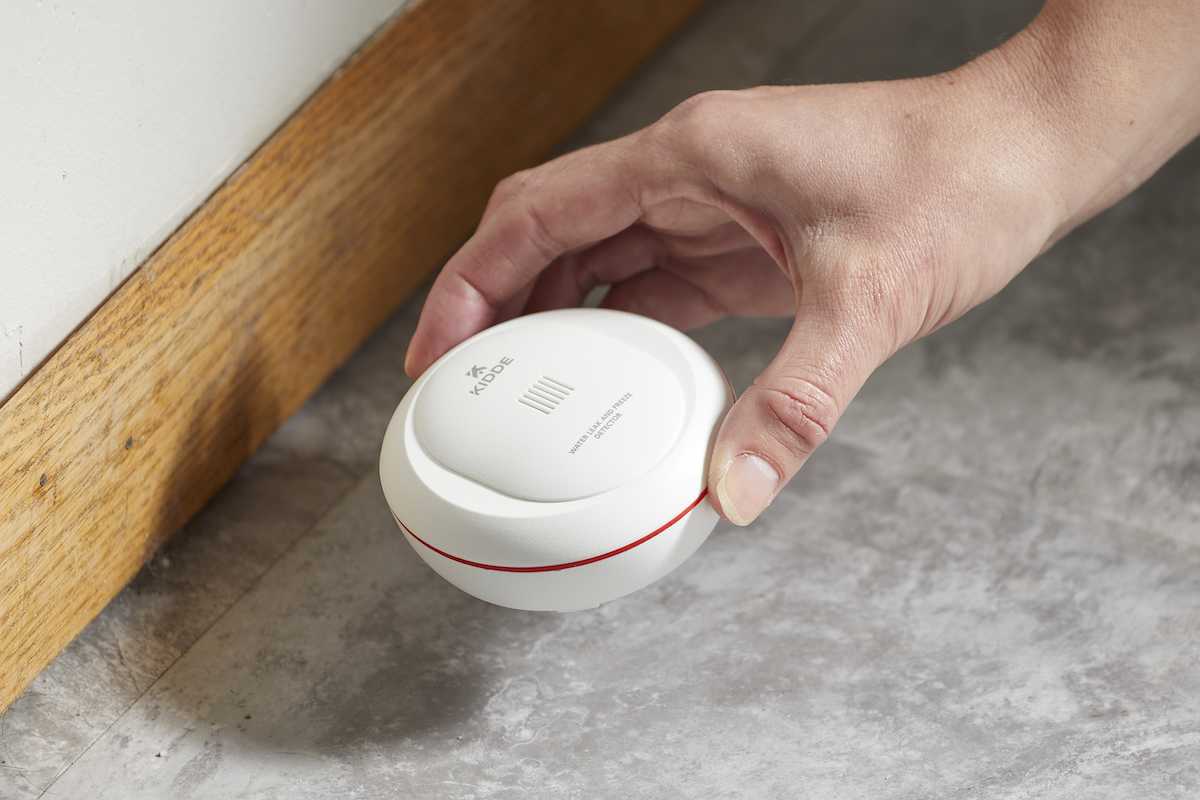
787 413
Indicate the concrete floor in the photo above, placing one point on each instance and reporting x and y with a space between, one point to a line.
986 585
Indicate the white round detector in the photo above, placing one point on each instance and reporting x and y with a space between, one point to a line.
558 460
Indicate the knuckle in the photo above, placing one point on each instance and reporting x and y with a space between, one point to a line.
696 120
801 416
512 186
703 105
518 190
519 197
538 232
505 192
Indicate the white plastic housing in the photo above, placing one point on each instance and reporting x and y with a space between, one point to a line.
558 460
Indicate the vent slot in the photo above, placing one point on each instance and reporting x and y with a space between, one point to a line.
545 394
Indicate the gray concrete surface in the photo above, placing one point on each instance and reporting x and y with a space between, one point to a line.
986 585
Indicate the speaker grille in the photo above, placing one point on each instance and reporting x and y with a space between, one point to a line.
545 394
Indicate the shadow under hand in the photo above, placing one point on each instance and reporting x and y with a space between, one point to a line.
349 647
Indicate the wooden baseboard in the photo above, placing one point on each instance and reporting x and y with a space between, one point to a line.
149 407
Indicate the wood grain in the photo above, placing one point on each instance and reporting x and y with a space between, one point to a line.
152 404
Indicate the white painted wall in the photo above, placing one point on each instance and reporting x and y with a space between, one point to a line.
118 118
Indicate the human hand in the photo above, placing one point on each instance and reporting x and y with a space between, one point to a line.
874 213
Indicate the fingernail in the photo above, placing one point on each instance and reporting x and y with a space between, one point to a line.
746 488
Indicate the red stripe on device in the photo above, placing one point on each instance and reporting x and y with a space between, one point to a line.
557 567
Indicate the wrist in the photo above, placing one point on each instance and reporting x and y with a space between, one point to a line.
1100 110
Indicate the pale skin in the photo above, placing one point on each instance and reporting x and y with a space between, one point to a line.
873 213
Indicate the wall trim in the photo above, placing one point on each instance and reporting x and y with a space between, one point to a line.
150 406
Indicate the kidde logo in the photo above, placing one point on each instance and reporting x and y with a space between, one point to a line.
484 376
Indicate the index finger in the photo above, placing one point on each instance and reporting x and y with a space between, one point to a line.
533 217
